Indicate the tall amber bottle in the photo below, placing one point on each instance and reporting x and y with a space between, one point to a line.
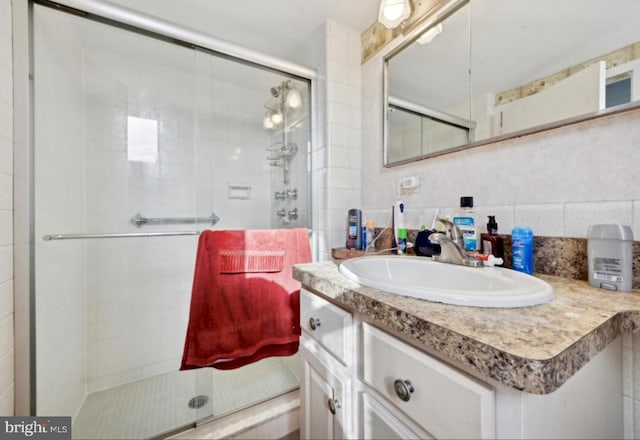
491 242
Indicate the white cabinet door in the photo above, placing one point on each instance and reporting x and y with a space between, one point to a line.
320 421
325 396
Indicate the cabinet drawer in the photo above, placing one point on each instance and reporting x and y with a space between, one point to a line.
379 423
327 324
444 401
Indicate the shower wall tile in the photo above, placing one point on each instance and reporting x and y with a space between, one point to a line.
5 19
5 49
6 400
6 371
6 264
6 90
6 232
6 156
6 120
6 335
138 293
343 127
6 192
6 299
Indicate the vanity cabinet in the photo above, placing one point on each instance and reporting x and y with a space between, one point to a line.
363 382
442 400
326 399
326 353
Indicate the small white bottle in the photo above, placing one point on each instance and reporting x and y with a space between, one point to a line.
466 221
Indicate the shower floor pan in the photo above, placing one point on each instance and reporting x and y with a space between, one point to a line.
157 405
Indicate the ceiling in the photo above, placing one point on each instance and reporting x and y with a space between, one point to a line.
274 27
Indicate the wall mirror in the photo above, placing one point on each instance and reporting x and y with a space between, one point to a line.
493 69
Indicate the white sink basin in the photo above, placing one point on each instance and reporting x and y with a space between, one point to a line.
423 278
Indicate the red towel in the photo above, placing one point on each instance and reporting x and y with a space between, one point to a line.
245 305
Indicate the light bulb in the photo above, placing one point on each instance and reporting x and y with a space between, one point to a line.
276 117
294 99
267 123
432 33
393 12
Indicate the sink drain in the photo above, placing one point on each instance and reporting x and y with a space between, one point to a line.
198 401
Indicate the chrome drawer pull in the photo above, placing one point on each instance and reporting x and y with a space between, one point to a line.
403 389
333 405
314 323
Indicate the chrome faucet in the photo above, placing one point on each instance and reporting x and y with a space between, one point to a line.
452 248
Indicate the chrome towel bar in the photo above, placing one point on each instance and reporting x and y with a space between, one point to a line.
139 220
50 237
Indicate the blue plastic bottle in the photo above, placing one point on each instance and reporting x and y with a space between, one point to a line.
522 245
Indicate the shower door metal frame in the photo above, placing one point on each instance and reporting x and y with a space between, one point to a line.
24 197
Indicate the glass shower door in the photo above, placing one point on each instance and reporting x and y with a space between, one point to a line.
140 143
114 141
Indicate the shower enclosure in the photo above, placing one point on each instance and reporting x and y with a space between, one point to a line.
139 143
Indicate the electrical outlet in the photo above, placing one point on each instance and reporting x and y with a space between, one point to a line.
410 182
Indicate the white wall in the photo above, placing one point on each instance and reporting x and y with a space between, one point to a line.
6 212
558 182
334 51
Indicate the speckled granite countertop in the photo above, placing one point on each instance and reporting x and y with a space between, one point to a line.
534 349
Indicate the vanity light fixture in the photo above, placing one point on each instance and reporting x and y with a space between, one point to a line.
428 36
393 12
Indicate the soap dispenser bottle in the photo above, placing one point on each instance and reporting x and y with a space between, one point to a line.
490 242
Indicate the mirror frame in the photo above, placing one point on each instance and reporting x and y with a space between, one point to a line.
441 15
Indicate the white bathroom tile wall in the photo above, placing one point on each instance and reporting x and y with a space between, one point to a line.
636 220
578 216
5 43
340 80
6 371
313 53
6 156
5 19
543 219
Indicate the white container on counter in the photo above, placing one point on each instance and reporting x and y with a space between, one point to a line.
610 256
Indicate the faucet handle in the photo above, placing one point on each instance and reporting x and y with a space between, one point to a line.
436 237
453 231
